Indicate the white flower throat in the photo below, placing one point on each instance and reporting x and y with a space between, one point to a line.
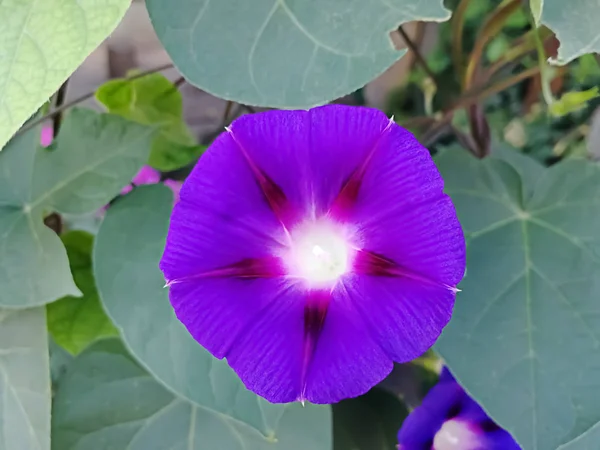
456 435
319 253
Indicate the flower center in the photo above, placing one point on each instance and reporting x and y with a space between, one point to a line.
456 435
319 253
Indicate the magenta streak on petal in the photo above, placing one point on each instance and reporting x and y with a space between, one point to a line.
273 193
265 267
369 263
349 193
315 312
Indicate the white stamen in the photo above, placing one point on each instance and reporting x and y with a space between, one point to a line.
456 435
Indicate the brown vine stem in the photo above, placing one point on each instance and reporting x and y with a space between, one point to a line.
458 23
475 95
418 56
60 109
490 28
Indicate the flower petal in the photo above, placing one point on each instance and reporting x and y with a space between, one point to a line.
404 316
221 218
310 155
347 362
403 214
267 356
420 427
217 311
500 440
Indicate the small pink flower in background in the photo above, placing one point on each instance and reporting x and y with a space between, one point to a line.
148 175
46 135
175 186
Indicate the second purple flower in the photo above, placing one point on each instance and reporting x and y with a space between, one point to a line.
312 249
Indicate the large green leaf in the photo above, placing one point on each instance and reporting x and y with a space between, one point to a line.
24 380
41 44
106 400
369 422
575 23
524 339
75 322
154 100
284 53
126 255
95 155
587 441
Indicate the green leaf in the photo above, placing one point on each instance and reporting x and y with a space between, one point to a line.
59 360
128 248
94 157
154 100
75 322
24 380
573 101
587 441
536 10
106 400
575 23
527 314
369 422
34 268
41 44
284 53
168 155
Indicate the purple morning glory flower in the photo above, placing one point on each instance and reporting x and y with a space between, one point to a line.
312 249
449 419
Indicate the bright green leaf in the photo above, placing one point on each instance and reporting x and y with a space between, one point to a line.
536 10
114 403
575 23
284 53
94 157
128 248
524 337
41 44
167 155
586 69
573 101
369 422
75 322
24 380
497 47
154 100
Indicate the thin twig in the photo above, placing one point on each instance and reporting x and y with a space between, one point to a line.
226 113
59 99
249 108
458 24
418 56
177 83
476 94
60 109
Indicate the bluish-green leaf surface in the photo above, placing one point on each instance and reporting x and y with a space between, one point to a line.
284 53
106 400
94 157
128 248
524 339
24 380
